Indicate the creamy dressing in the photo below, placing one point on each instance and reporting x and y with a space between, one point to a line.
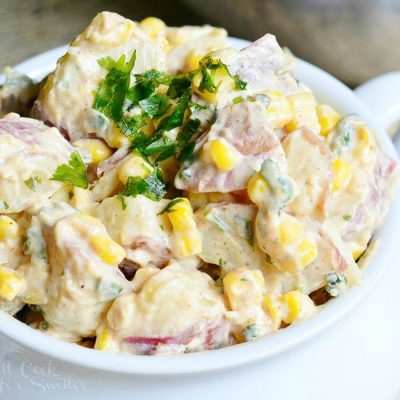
277 202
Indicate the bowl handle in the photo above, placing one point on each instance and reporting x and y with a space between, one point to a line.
382 96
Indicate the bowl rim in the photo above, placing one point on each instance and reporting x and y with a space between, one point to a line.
231 356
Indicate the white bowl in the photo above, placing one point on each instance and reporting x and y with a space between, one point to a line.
327 89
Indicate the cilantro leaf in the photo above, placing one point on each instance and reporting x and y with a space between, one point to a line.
239 84
186 152
188 131
107 63
178 85
207 80
237 100
176 118
74 172
131 126
112 91
152 187
196 106
152 78
158 145
155 105
170 206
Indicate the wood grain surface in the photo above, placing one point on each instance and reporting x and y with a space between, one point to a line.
354 40
28 27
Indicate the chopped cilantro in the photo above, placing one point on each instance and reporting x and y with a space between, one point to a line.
176 118
237 100
207 79
347 217
113 89
131 126
152 186
160 145
155 105
187 152
196 106
33 183
170 206
207 70
74 172
116 97
239 84
121 198
179 84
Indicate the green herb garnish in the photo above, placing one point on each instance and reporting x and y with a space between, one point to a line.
74 172
152 186
239 83
170 206
155 105
113 89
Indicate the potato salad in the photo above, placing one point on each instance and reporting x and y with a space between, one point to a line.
166 193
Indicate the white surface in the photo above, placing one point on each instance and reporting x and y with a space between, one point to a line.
358 357
382 94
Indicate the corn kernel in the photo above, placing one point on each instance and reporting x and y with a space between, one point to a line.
304 113
133 165
327 117
11 284
271 307
224 155
192 60
299 306
103 340
80 198
8 228
279 112
153 26
290 232
341 174
257 188
117 139
187 237
181 216
187 245
108 250
364 136
97 149
308 252
243 286
358 252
